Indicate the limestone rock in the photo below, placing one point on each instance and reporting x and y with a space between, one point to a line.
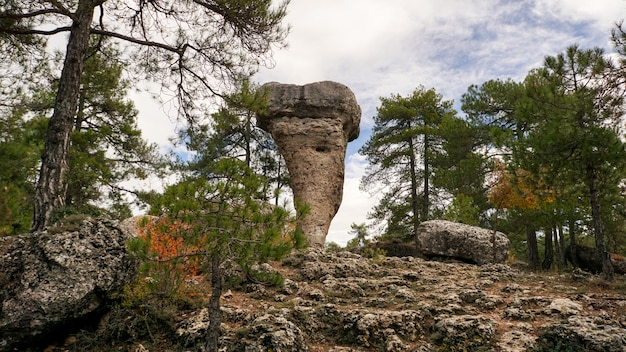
312 125
440 238
53 279
131 225
346 302
580 333
563 307
516 341
274 333
465 332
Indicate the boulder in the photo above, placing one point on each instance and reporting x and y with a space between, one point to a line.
58 278
589 259
312 125
440 238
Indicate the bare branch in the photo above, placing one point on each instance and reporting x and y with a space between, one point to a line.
134 40
27 31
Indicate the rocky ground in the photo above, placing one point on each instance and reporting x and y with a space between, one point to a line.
345 302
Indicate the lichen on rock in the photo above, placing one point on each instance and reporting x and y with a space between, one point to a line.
50 279
441 238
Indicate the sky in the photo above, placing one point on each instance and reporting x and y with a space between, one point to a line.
379 48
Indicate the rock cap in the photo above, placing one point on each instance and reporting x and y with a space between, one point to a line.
326 99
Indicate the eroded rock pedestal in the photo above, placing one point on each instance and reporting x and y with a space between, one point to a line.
312 125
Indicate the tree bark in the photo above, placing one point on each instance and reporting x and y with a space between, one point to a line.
532 251
50 189
215 314
548 257
557 247
426 199
598 225
572 242
414 200
562 247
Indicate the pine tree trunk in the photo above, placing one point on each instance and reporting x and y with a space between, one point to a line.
557 247
572 243
50 190
548 257
562 247
532 252
426 199
598 225
215 314
414 200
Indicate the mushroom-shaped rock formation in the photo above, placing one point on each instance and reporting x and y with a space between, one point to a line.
312 125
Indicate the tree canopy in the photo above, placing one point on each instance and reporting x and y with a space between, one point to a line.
559 134
194 49
415 138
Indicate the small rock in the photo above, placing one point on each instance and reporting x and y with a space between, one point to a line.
316 294
516 341
273 333
563 306
465 332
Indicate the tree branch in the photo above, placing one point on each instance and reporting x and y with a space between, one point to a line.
127 38
63 10
18 16
26 31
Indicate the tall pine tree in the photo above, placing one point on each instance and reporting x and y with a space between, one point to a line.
400 153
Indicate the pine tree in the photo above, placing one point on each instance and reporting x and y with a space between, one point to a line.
226 223
232 132
107 147
560 127
194 49
20 150
360 236
577 142
400 153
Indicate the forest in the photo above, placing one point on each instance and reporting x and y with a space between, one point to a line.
541 160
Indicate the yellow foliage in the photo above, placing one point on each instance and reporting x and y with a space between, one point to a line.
523 193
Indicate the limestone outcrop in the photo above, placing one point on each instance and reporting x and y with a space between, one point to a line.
342 301
441 238
312 125
345 302
58 278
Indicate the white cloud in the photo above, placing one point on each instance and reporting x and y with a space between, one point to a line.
600 12
379 48
154 119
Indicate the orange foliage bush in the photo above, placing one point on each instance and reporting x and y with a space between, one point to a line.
173 259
